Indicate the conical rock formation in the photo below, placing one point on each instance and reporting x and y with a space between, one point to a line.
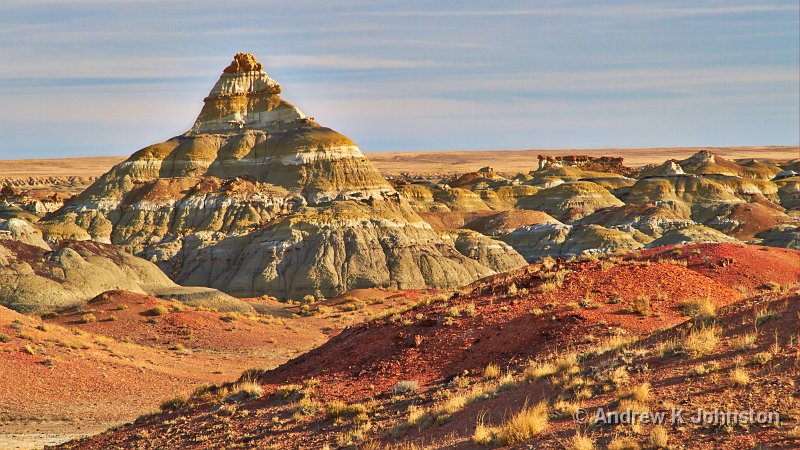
258 198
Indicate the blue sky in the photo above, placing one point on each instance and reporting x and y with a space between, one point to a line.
105 77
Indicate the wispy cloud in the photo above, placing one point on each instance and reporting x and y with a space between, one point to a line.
344 62
607 10
411 74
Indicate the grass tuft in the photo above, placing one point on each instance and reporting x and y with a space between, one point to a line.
701 308
491 372
702 341
527 423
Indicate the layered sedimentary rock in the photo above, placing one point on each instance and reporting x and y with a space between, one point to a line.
706 162
259 198
610 164
789 192
691 235
22 231
37 280
570 201
786 236
564 241
492 253
650 220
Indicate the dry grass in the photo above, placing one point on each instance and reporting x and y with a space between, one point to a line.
579 442
567 363
701 308
416 415
639 393
745 341
659 437
563 409
702 341
739 377
88 318
158 311
640 306
617 377
536 371
245 390
338 410
548 286
174 403
491 372
633 405
761 358
527 423
623 443
704 369
469 310
405 386
483 435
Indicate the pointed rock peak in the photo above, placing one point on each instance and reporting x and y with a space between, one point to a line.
672 168
244 62
245 97
703 156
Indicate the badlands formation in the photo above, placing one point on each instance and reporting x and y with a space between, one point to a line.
258 198
417 303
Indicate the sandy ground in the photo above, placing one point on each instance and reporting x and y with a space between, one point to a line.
80 379
25 435
422 163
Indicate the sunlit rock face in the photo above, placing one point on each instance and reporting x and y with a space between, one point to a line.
257 198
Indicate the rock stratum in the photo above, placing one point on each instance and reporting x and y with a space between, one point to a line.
259 198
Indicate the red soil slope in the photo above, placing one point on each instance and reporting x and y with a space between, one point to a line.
512 322
743 267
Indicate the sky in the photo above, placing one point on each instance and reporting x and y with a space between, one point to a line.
107 77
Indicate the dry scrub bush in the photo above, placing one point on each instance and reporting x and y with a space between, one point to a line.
702 341
158 311
701 308
527 423
639 393
88 318
245 390
739 377
405 386
337 410
623 443
745 341
174 403
579 442
659 437
491 372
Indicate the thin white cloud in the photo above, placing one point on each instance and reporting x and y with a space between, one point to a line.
622 11
684 81
343 62
156 67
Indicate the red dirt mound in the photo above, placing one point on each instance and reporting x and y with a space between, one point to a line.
753 218
743 267
151 321
507 320
441 340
